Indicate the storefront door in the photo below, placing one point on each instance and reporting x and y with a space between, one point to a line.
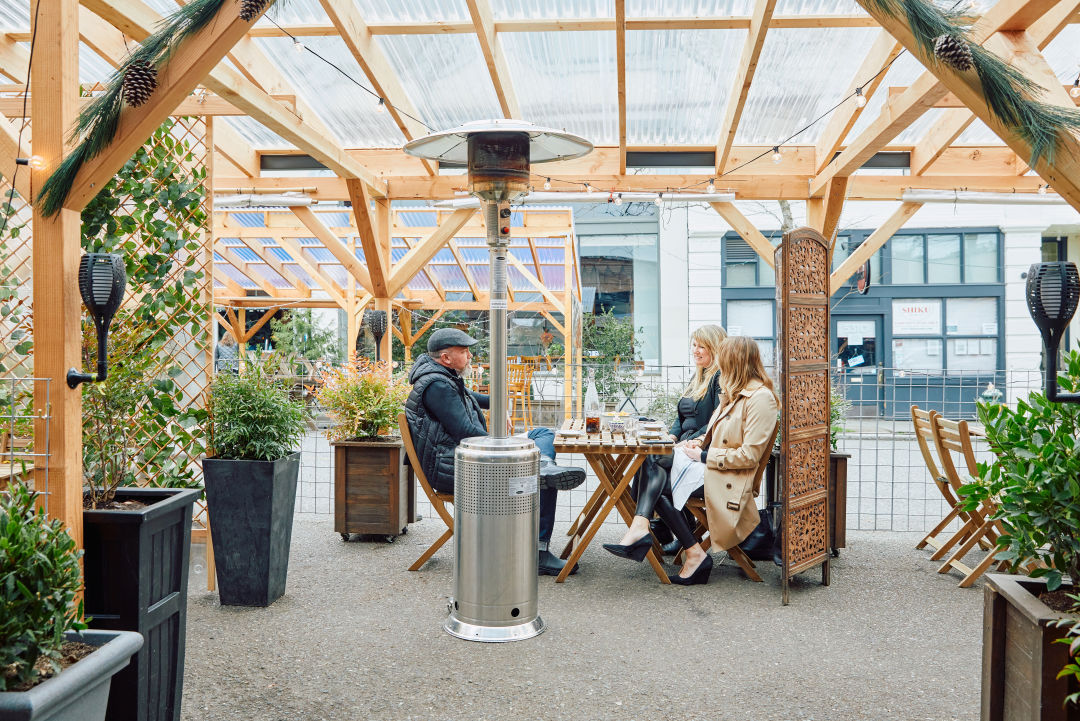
857 348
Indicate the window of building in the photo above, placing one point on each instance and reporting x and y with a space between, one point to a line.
969 340
753 318
621 273
743 267
943 253
915 259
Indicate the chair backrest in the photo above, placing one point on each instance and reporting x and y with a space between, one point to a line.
924 434
763 462
410 451
954 436
517 374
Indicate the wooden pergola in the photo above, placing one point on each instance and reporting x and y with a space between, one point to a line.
256 84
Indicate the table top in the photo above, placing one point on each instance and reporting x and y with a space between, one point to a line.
607 442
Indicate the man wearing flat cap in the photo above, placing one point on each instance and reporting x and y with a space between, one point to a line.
442 412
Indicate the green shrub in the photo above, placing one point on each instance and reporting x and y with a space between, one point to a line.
250 414
362 397
39 581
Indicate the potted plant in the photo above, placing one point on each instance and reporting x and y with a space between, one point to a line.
137 540
50 666
1034 484
254 431
373 493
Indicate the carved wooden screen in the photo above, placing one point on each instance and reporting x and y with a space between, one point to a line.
802 308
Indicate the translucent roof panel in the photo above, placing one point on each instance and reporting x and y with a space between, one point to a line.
978 133
903 72
445 76
302 12
566 80
677 84
802 73
818 7
348 111
548 9
256 133
92 67
1062 55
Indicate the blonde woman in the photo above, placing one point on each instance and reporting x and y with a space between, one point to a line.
737 435
696 406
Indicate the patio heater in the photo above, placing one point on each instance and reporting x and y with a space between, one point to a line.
496 507
1053 290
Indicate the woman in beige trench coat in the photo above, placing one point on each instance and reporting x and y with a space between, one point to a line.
739 432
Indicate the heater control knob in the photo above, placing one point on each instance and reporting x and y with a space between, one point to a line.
504 213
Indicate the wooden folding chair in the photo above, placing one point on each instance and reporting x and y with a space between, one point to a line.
697 507
438 500
519 391
979 529
924 434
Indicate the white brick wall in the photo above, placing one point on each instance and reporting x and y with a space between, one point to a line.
1023 344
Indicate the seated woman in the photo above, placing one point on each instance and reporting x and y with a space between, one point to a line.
735 439
697 404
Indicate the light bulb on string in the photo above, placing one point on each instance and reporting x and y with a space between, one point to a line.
1043 189
860 99
618 199
1074 91
35 162
297 46
711 187
547 183
659 199
588 188
776 155
381 107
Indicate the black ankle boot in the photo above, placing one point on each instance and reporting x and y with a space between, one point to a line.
561 478
548 564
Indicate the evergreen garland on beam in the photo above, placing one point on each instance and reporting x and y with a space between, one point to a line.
97 124
1010 95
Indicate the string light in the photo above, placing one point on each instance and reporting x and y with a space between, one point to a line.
1043 189
659 199
711 187
547 183
776 156
298 46
1074 91
618 199
381 107
36 162
860 99
588 188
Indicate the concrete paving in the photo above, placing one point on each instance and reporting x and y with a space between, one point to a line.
357 636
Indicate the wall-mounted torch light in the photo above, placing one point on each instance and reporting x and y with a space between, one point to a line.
1053 290
102 281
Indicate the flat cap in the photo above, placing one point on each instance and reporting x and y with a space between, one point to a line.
445 338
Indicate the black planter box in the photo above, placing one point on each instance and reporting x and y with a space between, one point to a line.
250 504
136 570
81 691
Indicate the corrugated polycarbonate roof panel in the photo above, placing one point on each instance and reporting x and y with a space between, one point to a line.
550 9
256 133
687 8
904 71
818 7
348 111
677 84
92 67
446 77
801 74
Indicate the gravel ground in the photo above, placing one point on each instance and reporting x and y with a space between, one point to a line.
356 636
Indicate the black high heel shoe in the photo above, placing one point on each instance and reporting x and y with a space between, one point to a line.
635 551
699 576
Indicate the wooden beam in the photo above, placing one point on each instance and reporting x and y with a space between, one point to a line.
535 282
620 74
257 325
742 225
937 140
868 77
1064 172
464 267
13 61
336 293
920 95
871 245
189 63
334 244
210 105
376 252
484 22
135 18
276 265
230 255
835 195
744 76
423 252
57 320
231 286
9 150
432 277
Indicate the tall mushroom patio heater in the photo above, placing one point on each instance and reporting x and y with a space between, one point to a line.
496 507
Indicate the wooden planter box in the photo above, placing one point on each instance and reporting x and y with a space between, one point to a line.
373 489
1020 659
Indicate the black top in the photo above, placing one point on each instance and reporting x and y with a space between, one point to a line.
694 415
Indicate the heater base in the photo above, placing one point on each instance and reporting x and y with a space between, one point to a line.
493 634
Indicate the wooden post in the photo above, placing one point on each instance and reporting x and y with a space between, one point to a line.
57 304
405 320
382 247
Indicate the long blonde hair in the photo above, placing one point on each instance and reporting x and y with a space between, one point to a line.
709 336
740 362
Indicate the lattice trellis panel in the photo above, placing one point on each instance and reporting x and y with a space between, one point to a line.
802 308
156 214
16 288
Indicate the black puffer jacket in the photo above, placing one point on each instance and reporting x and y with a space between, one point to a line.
441 412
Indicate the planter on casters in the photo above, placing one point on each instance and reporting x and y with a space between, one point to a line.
250 504
1020 659
373 490
81 691
136 571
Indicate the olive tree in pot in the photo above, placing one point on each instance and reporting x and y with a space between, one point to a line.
1034 483
250 475
372 492
50 666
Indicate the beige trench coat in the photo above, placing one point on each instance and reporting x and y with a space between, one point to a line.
738 435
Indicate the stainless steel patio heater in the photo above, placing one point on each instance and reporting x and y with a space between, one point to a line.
496 507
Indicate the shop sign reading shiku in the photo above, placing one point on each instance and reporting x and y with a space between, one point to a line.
921 317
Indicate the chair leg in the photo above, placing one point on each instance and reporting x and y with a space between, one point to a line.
431 551
931 538
740 557
954 560
978 570
965 531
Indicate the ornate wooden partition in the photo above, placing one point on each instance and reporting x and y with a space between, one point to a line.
802 352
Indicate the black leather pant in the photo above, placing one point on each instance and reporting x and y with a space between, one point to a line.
654 494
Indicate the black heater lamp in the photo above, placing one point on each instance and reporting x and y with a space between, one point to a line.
375 320
102 281
1053 290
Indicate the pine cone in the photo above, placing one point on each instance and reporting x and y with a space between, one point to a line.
250 9
954 52
140 81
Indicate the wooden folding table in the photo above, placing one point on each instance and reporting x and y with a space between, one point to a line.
615 458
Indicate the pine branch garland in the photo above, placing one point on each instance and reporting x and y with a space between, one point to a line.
250 9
